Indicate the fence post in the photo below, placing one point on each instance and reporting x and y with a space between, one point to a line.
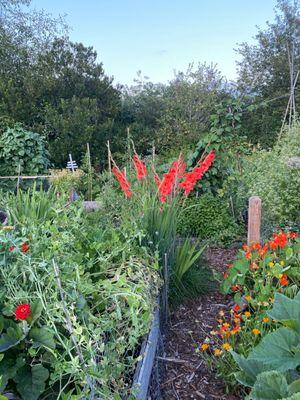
254 220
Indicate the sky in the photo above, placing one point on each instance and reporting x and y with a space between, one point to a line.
159 37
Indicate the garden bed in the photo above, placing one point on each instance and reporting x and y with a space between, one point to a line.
186 376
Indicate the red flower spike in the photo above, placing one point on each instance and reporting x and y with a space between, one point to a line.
169 180
140 167
22 312
124 183
197 173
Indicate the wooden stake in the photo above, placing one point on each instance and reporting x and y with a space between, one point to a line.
254 220
72 166
109 157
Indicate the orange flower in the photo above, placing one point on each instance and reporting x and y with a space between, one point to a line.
284 280
204 347
248 298
256 246
263 251
255 331
247 314
235 330
218 352
266 320
235 288
227 346
245 247
236 308
254 266
248 255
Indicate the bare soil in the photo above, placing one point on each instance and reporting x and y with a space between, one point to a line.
185 373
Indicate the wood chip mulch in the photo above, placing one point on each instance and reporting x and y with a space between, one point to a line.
185 373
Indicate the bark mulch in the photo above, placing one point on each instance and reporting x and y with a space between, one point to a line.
185 373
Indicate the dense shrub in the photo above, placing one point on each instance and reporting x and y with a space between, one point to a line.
269 175
22 149
207 217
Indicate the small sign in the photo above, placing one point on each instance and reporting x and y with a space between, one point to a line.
72 165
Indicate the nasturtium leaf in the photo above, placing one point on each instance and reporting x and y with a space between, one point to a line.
270 385
287 311
278 350
36 310
294 387
42 337
8 369
31 382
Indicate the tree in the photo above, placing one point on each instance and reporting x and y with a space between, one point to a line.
264 72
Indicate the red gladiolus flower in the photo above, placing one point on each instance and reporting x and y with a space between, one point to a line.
284 280
140 167
256 246
263 251
157 180
292 235
11 248
124 183
197 173
22 311
168 182
24 248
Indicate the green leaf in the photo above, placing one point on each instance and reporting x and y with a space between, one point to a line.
270 385
287 311
294 387
250 369
31 382
9 368
42 337
278 350
36 310
11 337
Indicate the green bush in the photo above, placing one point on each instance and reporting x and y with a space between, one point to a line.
24 150
268 174
207 217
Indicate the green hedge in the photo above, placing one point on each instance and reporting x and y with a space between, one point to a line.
208 217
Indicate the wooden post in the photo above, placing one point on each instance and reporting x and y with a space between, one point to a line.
72 166
254 220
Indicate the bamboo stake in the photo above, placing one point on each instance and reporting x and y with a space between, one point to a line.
109 157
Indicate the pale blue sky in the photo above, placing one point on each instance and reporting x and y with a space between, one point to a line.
160 36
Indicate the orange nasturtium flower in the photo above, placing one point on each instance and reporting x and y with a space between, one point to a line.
266 319
247 314
255 331
227 346
248 298
284 280
204 347
218 352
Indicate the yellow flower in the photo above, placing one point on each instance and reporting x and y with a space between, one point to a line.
271 264
227 346
247 314
282 263
213 333
279 276
248 298
8 228
204 347
266 319
226 325
255 331
218 352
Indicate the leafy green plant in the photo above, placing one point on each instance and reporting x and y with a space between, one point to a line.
207 217
270 369
22 151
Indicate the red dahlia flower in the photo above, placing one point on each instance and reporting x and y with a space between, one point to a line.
124 183
22 311
197 173
140 167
